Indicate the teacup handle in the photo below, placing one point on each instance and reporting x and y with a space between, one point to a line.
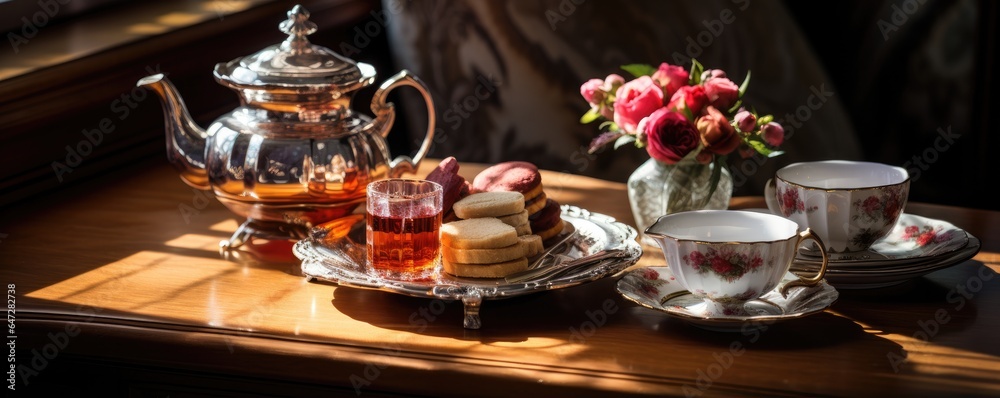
385 115
808 234
770 197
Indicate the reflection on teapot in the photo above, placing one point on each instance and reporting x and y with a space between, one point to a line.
293 154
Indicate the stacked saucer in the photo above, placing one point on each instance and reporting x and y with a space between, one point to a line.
915 247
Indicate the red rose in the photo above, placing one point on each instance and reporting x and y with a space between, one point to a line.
635 100
696 259
925 238
717 134
721 265
669 136
721 92
671 78
692 97
871 205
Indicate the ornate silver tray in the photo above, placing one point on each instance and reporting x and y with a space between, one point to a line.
591 247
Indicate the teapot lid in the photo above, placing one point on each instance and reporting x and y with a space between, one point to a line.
295 63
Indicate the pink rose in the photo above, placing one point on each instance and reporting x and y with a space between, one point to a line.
593 92
773 133
722 93
669 136
717 134
746 121
692 97
671 78
712 74
635 100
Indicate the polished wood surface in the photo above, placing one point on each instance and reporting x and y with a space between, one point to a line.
130 263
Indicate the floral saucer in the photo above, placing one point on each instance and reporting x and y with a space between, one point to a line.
656 288
891 275
913 239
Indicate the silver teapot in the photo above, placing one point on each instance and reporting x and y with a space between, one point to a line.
293 154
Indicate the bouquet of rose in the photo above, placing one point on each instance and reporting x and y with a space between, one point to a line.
679 115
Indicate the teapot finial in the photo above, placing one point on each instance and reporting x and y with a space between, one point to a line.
297 26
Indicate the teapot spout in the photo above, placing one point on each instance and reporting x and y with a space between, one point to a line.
185 139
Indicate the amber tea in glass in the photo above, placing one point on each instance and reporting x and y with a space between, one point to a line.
403 228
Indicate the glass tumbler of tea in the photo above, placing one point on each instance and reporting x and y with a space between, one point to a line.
404 221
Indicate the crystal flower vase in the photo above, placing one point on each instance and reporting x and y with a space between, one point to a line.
656 189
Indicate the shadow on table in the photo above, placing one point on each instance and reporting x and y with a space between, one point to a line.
940 308
560 316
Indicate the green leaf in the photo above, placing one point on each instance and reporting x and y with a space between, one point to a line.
736 106
591 115
746 83
762 148
694 75
608 125
624 140
639 70
765 120
687 112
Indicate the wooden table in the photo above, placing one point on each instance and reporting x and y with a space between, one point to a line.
120 289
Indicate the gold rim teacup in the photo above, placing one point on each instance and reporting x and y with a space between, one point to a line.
849 204
730 257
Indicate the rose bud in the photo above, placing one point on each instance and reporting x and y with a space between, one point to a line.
592 91
746 121
612 82
671 78
717 134
669 136
773 133
635 100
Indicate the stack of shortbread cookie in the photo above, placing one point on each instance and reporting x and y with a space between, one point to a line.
544 213
492 239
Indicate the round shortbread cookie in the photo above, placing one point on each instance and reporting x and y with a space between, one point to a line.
535 205
523 229
533 244
486 256
489 204
533 192
478 233
515 219
546 217
498 270
555 230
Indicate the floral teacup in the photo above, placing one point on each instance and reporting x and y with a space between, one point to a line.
849 204
730 257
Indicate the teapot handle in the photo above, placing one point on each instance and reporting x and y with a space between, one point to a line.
385 116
